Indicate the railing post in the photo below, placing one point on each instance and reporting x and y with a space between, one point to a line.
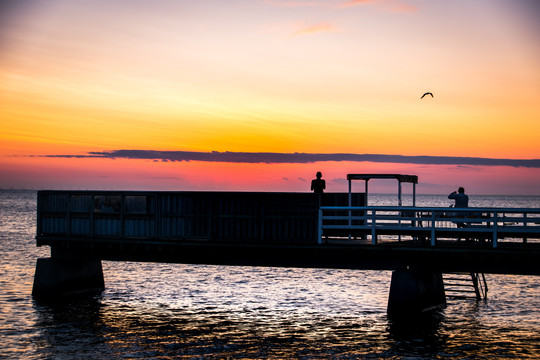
525 226
349 222
433 228
350 205
373 228
495 225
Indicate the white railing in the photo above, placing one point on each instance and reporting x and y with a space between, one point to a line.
429 223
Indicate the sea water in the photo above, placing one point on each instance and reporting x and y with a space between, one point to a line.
174 311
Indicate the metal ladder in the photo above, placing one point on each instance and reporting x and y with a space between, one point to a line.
465 285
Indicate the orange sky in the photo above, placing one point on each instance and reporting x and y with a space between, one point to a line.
268 76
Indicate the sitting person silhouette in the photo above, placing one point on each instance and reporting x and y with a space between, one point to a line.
318 185
462 201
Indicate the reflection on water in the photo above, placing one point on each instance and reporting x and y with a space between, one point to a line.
162 311
120 330
270 313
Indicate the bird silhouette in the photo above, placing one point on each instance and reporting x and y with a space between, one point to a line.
428 93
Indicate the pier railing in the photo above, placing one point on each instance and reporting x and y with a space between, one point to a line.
429 224
249 217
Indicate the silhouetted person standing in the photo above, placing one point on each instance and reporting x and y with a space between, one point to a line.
462 201
318 185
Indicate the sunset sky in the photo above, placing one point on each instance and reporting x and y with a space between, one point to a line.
261 94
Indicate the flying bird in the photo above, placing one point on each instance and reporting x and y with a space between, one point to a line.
428 93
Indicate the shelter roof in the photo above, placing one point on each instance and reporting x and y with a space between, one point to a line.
401 178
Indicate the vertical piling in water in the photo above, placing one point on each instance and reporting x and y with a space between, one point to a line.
415 291
56 277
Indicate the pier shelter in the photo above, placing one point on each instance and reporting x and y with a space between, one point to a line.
413 179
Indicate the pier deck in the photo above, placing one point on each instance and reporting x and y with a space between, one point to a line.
285 229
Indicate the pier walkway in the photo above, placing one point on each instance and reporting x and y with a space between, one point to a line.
286 229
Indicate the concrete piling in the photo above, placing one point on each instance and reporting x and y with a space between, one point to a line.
415 291
56 277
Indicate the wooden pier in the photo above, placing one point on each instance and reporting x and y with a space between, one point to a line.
336 230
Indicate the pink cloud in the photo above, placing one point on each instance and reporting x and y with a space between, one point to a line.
388 5
357 2
286 3
313 29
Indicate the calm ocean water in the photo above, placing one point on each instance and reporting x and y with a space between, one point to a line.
170 311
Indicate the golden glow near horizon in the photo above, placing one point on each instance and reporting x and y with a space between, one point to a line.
268 76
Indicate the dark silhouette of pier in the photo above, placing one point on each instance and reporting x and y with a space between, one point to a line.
271 229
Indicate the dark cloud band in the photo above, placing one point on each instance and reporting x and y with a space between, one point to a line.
300 158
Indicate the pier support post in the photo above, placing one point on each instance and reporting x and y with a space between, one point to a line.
56 277
415 291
